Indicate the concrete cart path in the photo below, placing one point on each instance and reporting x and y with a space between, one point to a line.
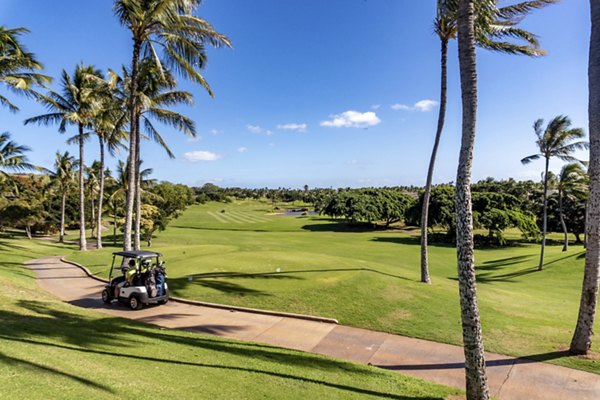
509 378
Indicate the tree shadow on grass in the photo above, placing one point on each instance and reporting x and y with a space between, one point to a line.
43 369
49 327
409 240
529 359
177 284
288 274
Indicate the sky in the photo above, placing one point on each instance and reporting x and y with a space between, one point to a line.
324 93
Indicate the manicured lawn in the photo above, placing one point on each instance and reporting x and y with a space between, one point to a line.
49 349
369 278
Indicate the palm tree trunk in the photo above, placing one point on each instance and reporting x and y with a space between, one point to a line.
562 221
582 337
93 212
138 190
441 117
585 224
114 224
82 241
476 380
545 214
132 148
100 195
63 202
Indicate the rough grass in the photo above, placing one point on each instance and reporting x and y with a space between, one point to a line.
369 278
50 349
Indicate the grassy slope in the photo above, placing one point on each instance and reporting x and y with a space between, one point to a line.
369 279
49 349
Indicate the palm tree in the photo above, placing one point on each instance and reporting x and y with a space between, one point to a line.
64 174
476 380
557 140
107 123
157 91
74 105
12 156
582 337
168 24
18 66
571 184
492 35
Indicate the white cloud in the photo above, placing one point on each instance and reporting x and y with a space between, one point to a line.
421 105
254 128
201 155
375 106
401 107
243 149
215 132
257 129
195 139
293 127
425 105
352 119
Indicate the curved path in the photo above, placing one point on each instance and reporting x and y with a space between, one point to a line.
509 378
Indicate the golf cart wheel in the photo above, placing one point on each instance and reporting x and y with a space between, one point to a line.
135 303
106 297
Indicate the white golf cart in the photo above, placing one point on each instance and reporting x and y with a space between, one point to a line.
142 279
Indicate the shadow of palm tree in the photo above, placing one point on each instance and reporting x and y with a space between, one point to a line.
48 327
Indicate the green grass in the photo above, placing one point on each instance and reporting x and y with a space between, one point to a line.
369 279
49 349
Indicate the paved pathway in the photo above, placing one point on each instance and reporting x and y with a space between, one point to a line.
509 378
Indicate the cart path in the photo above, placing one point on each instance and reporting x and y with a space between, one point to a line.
508 377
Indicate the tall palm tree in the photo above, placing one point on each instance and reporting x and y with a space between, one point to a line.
491 33
559 141
476 379
571 184
18 66
107 122
170 25
157 92
74 105
584 330
63 176
12 156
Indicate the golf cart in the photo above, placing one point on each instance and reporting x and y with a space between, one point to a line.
142 279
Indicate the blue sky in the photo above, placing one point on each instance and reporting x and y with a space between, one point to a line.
323 92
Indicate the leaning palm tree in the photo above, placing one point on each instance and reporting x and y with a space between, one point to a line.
170 25
12 156
63 176
74 105
492 32
584 330
571 184
18 66
476 380
556 141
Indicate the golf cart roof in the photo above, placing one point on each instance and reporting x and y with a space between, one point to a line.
137 254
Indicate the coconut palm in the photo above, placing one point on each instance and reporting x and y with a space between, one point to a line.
12 156
107 123
63 176
476 380
584 330
157 91
74 105
492 34
18 66
170 25
571 184
556 141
